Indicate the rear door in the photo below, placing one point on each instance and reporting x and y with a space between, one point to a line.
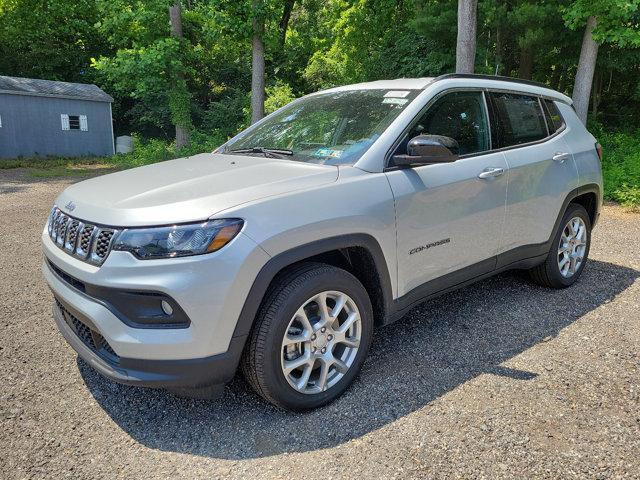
542 170
449 216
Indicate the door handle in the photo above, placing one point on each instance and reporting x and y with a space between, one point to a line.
491 172
560 157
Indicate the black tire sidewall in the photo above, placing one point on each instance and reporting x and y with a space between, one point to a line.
331 279
553 269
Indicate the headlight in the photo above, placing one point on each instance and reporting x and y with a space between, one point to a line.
178 240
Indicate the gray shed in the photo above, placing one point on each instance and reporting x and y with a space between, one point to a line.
43 117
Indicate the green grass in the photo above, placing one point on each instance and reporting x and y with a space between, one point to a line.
620 165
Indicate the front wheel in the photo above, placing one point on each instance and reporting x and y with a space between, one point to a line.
569 250
311 337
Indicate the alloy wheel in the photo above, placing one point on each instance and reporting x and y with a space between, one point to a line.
573 243
321 342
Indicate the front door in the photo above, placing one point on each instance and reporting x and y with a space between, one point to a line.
449 217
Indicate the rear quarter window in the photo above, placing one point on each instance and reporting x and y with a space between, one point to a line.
518 119
554 117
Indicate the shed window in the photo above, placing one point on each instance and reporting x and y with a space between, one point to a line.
74 122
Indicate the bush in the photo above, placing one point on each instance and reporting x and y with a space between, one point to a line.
150 151
621 166
277 96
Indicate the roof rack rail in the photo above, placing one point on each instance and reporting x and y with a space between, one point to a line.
491 77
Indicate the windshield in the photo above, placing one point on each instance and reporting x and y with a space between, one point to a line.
331 128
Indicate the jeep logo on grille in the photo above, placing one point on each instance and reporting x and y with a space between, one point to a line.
70 206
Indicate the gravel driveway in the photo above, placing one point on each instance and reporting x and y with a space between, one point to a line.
502 379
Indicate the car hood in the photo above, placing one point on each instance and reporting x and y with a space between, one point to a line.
187 189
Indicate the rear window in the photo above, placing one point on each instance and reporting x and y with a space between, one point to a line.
519 119
554 118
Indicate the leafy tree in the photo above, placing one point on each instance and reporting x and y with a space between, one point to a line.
51 39
614 21
201 81
149 64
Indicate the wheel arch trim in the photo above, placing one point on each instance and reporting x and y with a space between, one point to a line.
300 253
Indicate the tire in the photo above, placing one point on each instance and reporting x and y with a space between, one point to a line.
549 274
292 307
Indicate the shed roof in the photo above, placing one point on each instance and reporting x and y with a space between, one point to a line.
50 88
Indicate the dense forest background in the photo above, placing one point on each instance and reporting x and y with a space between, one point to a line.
201 78
182 71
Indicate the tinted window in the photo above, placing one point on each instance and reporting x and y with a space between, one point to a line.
459 115
554 118
519 119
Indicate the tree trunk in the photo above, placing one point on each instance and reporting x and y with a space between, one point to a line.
284 21
257 64
466 45
526 64
183 138
586 68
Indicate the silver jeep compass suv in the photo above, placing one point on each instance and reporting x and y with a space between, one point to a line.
282 250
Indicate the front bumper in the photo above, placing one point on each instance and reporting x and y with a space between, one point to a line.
189 373
211 290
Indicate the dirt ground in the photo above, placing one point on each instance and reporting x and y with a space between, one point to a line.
503 379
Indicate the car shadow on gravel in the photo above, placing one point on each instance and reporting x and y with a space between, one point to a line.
431 351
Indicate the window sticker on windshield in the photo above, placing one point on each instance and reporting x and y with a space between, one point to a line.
328 152
397 93
395 101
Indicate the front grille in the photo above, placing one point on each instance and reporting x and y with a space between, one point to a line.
90 337
103 240
88 242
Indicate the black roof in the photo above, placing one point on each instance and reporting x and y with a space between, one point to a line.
50 88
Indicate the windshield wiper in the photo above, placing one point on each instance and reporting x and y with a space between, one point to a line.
267 152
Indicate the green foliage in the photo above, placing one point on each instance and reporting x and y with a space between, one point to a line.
148 151
52 39
148 66
618 20
621 166
277 96
203 81
228 116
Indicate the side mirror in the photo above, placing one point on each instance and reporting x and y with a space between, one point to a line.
428 149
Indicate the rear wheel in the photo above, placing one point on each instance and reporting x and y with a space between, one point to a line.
569 250
310 339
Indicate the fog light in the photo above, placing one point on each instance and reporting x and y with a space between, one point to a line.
166 307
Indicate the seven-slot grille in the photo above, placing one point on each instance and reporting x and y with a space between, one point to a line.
85 241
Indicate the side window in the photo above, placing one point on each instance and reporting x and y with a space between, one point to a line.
555 122
518 119
459 115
